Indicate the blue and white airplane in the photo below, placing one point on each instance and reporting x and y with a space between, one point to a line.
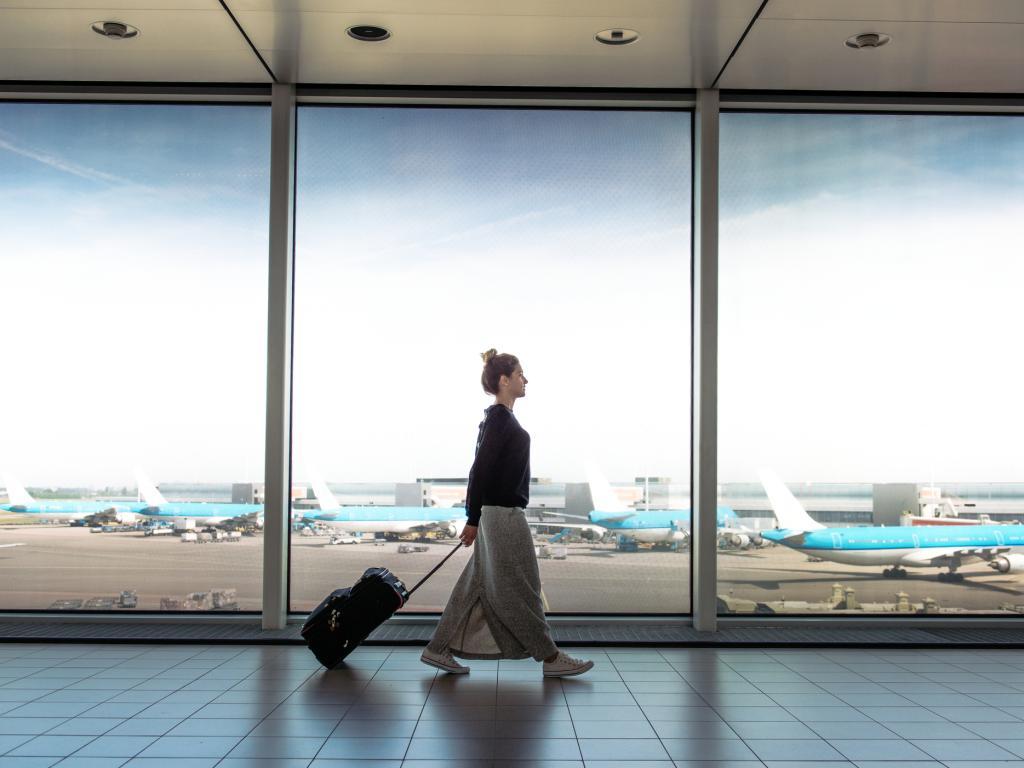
156 507
898 547
21 503
655 526
380 519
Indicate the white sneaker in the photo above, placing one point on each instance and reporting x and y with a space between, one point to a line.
566 666
444 661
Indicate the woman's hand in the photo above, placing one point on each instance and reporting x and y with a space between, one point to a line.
468 535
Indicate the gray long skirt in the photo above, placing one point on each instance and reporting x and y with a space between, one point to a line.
495 610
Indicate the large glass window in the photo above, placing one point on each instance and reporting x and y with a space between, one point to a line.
869 379
133 249
425 236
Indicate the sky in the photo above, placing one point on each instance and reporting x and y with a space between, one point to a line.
869 272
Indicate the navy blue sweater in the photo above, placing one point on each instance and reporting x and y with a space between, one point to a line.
500 475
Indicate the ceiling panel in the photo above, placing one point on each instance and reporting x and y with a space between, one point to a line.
683 43
187 44
898 10
801 54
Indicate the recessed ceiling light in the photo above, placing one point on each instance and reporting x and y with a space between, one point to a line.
368 33
115 30
867 40
617 36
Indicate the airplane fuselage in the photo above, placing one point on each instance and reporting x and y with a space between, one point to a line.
385 519
204 511
910 546
655 525
71 509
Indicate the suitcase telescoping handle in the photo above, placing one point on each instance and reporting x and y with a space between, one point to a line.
435 568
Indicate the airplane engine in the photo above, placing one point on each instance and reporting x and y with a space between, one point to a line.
1007 563
739 540
453 530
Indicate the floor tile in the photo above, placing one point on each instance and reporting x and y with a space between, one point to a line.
144 726
793 749
368 748
604 729
50 746
878 749
172 762
277 747
211 726
944 750
115 746
550 729
614 749
996 731
366 712
528 712
902 715
772 714
682 714
580 714
53 709
861 730
190 746
450 749
933 731
11 741
1016 746
366 728
974 714
707 749
536 749
92 762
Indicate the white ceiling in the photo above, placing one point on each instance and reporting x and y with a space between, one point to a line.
180 41
937 45
682 43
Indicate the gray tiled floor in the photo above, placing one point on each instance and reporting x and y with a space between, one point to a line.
105 706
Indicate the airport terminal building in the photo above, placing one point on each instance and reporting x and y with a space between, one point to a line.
757 263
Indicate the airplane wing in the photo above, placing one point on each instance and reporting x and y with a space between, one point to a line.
616 518
942 557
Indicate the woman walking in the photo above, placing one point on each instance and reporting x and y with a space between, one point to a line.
496 610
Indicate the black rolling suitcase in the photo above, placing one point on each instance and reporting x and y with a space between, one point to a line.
346 617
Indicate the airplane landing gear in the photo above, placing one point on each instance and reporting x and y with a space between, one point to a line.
894 573
952 577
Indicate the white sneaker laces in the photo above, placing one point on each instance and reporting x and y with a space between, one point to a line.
568 660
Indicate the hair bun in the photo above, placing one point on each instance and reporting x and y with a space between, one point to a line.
488 355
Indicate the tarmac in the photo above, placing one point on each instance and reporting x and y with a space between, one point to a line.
63 563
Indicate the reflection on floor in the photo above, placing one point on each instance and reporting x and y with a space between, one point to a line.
193 706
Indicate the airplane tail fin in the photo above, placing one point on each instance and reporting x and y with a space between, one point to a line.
16 492
789 512
328 502
601 493
149 491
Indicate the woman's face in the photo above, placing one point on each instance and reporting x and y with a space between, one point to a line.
517 382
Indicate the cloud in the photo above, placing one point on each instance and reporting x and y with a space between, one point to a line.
60 164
